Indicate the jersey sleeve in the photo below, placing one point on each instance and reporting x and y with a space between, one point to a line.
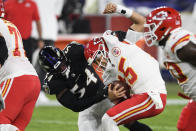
57 84
36 15
180 42
69 100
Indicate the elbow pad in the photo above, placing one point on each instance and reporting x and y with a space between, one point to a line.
3 50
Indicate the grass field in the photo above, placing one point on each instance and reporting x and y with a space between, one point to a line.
61 119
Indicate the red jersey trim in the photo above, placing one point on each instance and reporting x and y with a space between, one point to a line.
125 42
5 89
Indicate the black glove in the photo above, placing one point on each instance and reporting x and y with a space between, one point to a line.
46 83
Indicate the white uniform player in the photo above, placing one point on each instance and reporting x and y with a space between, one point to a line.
18 80
184 72
132 63
17 63
163 28
142 73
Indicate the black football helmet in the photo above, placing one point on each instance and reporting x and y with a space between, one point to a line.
52 60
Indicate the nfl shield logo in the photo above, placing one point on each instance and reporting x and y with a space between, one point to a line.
116 51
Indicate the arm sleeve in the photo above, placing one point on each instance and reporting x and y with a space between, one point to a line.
57 84
3 50
72 102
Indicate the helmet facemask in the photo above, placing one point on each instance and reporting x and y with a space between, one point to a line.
100 58
149 34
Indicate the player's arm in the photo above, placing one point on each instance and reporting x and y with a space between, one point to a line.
3 57
39 30
3 51
188 53
76 104
54 84
137 19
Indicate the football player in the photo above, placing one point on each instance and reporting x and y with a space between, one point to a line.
127 62
163 28
70 77
19 82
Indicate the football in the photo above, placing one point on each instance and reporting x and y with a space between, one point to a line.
126 88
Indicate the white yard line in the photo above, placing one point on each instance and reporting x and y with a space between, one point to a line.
169 102
167 128
55 122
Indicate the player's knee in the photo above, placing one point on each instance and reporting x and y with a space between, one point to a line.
8 127
107 119
108 124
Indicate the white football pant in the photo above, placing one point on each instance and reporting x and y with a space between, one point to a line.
108 124
8 127
90 119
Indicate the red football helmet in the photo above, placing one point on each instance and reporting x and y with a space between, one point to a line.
159 23
96 50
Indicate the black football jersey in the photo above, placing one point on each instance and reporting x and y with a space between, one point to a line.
80 84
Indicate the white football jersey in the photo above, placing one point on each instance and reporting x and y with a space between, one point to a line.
184 72
17 63
130 63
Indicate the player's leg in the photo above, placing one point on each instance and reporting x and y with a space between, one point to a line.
187 120
137 107
13 104
30 87
90 119
108 124
8 127
87 121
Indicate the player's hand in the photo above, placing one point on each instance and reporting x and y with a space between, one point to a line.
40 44
2 104
47 79
115 93
110 8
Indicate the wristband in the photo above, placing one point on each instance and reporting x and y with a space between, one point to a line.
124 11
40 39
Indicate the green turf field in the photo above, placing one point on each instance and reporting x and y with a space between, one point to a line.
62 119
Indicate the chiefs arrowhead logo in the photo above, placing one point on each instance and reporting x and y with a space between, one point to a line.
160 16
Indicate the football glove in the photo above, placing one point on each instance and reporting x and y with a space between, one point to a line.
46 82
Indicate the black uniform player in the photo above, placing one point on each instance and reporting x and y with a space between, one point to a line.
71 78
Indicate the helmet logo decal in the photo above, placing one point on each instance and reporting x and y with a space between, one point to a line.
116 51
160 16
